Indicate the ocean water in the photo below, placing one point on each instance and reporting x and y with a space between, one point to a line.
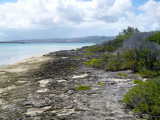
14 52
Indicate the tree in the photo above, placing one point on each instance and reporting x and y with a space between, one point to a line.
129 31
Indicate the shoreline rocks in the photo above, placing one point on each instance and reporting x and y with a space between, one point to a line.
50 91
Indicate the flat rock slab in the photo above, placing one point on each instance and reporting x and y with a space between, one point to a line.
45 82
79 76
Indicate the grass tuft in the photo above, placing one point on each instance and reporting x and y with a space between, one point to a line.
122 74
91 62
72 68
137 81
76 57
102 84
89 54
83 88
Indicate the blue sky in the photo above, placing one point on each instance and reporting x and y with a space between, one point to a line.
26 19
135 2
4 1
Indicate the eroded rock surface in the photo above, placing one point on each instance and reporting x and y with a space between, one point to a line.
49 93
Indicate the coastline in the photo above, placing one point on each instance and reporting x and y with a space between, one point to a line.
27 58
45 88
11 53
22 60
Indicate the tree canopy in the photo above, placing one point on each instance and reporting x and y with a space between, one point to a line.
129 31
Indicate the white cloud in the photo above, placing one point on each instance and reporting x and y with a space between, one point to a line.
155 26
151 8
1 34
106 17
150 16
47 13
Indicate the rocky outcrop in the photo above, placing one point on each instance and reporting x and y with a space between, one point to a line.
49 93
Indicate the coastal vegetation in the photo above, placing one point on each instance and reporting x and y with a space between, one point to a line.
145 98
91 62
122 74
88 53
112 45
139 52
102 84
72 68
76 57
137 81
155 37
83 88
109 46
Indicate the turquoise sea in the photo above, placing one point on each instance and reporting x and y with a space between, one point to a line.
14 52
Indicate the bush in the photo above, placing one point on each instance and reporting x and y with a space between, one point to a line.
137 81
130 59
76 57
109 46
145 61
122 74
102 84
149 73
95 48
115 63
145 98
72 68
155 37
83 88
99 63
89 54
157 64
91 62
140 59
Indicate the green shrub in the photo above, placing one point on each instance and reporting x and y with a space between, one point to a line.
115 63
122 74
157 64
76 57
137 81
99 63
149 73
109 46
91 62
89 54
72 68
136 60
102 84
139 59
95 48
155 37
145 98
130 59
116 43
83 88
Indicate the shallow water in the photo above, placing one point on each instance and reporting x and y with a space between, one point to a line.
14 52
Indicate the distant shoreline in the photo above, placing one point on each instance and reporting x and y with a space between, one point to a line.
88 39
12 42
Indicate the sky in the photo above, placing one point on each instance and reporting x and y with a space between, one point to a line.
39 19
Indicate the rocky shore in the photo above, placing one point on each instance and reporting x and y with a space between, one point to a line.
45 88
